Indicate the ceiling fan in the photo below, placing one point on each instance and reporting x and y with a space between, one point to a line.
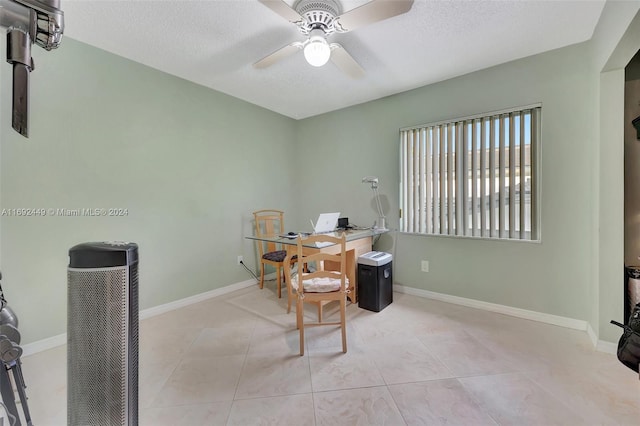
318 19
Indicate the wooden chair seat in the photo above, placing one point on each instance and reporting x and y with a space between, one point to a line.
275 256
319 286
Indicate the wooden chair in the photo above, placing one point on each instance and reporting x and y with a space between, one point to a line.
320 286
270 223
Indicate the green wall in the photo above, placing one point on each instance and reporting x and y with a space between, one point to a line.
553 276
189 164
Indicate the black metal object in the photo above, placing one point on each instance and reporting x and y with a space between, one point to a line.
29 22
636 124
10 364
631 290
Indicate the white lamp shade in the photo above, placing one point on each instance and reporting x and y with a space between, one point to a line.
317 51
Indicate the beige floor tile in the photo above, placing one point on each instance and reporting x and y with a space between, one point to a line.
57 417
160 354
382 327
607 392
292 410
320 337
274 338
153 375
204 414
415 350
524 347
220 341
201 380
409 362
409 316
438 402
464 355
274 375
532 343
206 314
333 370
45 375
158 340
514 399
362 406
263 305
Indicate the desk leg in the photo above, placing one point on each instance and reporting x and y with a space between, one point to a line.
352 275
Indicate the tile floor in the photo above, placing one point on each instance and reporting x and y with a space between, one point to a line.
233 360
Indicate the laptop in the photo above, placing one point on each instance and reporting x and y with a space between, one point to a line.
326 222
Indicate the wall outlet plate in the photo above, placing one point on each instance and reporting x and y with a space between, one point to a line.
425 266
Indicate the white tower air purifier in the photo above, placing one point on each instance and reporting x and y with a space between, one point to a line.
102 334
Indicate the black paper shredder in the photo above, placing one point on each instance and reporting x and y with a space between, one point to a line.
375 281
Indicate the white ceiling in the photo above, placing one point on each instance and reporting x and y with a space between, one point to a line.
214 43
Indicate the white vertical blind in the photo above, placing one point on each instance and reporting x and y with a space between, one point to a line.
483 178
462 180
492 177
415 138
450 180
435 181
502 178
474 177
523 178
512 174
533 174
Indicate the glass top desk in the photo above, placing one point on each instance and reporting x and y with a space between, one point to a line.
359 242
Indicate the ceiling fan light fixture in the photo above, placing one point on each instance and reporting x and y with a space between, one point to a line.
317 51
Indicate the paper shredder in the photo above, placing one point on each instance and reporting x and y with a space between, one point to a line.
375 282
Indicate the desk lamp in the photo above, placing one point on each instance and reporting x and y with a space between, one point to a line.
374 187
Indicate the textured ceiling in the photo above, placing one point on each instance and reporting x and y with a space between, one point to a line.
215 42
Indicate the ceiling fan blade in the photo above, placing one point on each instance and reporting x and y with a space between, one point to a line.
282 9
345 62
279 54
374 11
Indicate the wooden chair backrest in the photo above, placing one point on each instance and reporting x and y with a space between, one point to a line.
269 223
336 257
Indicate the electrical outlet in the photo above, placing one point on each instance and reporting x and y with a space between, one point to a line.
239 260
425 266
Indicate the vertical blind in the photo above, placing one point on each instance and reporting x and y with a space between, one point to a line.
472 177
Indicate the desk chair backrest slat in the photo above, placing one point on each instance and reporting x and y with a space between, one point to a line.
269 223
320 257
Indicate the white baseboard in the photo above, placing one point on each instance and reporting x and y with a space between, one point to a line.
592 335
44 344
167 307
599 345
61 339
493 307
608 347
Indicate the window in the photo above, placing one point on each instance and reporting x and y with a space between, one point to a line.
472 177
